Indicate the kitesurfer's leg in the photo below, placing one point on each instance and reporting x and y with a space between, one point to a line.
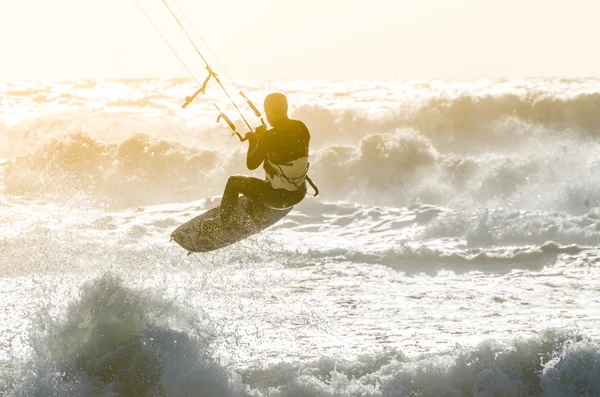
254 188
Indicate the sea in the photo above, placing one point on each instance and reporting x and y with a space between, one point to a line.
453 249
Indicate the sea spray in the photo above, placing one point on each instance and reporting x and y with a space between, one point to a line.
117 341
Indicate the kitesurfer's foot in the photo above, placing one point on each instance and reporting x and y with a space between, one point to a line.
261 214
224 228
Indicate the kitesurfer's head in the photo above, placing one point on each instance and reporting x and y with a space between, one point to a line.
276 108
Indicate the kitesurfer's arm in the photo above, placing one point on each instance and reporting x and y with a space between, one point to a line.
256 153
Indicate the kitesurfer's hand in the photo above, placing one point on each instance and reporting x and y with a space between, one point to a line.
251 136
261 129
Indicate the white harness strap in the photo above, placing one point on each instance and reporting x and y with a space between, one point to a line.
289 176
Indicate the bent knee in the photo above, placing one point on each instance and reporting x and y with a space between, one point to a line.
236 180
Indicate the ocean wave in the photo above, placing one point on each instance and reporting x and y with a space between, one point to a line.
120 342
463 122
524 368
116 341
452 115
483 228
368 161
431 260
416 239
136 171
467 114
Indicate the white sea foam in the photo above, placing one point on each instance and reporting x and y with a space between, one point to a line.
116 341
453 249
522 145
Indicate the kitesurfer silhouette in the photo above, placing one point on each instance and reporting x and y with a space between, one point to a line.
283 151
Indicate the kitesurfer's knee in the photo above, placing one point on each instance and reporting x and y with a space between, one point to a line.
235 182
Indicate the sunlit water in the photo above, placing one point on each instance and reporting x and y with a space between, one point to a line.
453 250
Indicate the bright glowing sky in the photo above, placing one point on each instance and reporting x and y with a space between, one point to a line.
308 39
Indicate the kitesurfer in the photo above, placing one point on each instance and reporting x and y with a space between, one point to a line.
283 151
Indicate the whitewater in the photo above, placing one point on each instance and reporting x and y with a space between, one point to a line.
453 250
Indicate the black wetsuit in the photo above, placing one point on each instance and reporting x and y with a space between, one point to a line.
286 142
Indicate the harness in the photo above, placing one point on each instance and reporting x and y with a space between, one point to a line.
290 176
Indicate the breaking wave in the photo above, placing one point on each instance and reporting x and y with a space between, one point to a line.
136 171
465 121
521 145
115 341
395 169
535 367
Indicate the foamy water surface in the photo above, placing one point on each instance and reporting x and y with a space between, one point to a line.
453 250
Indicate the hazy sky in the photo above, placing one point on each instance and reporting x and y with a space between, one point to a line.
307 39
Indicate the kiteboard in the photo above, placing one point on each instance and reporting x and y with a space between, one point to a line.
206 233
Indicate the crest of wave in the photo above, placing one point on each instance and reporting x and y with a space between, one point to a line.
399 168
520 152
137 171
556 364
114 341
